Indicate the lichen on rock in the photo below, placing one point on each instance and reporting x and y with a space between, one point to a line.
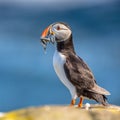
95 112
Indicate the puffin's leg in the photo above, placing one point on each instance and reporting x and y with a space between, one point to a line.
73 101
80 103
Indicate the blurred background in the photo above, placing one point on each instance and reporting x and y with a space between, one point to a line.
27 77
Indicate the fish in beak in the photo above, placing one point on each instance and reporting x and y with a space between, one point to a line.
47 36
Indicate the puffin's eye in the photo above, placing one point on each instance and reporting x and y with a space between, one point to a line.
58 27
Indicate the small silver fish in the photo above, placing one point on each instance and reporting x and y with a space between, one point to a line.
48 39
44 43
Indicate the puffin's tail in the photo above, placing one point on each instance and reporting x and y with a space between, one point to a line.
98 93
99 90
100 98
97 97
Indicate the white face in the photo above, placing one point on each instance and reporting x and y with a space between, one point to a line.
61 32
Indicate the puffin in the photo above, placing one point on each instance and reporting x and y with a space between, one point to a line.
72 71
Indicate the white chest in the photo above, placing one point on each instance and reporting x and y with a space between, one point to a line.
58 62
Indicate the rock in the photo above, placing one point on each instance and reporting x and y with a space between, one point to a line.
95 112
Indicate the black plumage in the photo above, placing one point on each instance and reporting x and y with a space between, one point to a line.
79 74
70 68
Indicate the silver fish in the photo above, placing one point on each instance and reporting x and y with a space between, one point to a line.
48 39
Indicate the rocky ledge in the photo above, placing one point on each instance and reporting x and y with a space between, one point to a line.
94 112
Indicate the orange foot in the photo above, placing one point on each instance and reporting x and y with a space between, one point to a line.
73 101
80 103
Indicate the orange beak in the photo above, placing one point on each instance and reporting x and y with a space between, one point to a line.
45 32
44 37
47 36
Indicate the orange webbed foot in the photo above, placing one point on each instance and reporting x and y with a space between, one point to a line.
80 103
73 101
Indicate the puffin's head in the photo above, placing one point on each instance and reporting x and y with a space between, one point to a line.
56 32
